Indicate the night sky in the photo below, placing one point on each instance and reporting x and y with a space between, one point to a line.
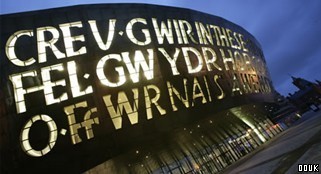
288 30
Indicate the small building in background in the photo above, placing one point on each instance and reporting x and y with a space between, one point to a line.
282 111
308 97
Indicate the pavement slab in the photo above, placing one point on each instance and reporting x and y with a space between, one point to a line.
300 144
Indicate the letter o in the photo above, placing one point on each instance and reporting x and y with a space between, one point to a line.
24 137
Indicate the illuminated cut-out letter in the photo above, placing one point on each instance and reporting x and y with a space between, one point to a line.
207 89
228 59
48 84
47 87
217 32
19 91
251 64
236 86
68 39
74 83
222 95
97 36
231 39
122 104
101 74
139 61
220 35
178 32
149 101
24 137
199 34
172 90
43 44
197 87
172 61
10 48
245 83
239 61
235 34
190 68
224 38
87 123
212 60
204 34
255 83
163 31
130 34
243 43
187 32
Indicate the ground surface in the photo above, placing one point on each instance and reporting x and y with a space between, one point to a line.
300 144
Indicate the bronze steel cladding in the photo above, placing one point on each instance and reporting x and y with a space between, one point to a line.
125 82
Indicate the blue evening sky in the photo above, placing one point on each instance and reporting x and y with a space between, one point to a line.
288 30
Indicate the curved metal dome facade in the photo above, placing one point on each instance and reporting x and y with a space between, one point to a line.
135 88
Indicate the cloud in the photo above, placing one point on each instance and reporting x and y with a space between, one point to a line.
289 32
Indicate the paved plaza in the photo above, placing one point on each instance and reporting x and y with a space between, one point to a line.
300 144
